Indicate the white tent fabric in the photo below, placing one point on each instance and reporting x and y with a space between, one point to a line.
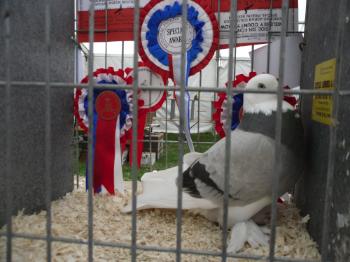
167 118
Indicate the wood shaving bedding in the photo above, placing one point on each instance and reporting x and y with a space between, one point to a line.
155 227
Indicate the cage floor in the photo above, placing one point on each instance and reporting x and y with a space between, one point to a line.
154 228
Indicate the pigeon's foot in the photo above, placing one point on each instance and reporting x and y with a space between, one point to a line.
247 231
210 214
263 217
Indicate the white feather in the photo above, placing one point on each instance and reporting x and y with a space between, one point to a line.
246 231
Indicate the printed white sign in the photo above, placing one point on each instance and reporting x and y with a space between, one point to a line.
253 25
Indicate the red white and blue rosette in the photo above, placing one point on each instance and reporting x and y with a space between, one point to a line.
160 37
291 99
220 115
112 117
152 101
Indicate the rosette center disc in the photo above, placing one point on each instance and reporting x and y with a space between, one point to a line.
170 35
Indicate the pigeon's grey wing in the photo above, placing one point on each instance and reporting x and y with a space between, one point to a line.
251 168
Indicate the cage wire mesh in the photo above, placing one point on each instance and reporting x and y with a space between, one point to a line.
132 248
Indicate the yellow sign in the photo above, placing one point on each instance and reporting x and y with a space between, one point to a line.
322 104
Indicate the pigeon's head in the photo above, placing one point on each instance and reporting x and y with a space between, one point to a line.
262 82
260 102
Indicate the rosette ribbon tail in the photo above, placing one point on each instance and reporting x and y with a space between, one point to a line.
118 169
107 157
140 138
175 61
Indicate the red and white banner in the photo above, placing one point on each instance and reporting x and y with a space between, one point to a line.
253 18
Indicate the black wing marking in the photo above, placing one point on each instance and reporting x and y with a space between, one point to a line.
198 171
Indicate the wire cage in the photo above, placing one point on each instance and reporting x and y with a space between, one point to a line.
63 148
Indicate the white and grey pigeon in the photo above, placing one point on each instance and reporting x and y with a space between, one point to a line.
251 164
251 171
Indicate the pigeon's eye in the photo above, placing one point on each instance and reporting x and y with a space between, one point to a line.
261 86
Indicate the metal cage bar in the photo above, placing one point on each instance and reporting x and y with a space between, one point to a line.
278 130
134 131
47 177
269 39
106 32
90 133
230 76
122 55
166 131
182 127
217 53
175 88
8 122
199 106
76 80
